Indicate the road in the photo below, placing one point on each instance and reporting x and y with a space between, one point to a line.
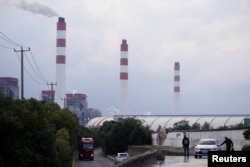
179 161
170 161
99 160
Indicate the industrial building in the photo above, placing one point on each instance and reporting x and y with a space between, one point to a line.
75 103
90 114
48 96
9 87
78 105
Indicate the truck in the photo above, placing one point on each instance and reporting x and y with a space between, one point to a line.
86 149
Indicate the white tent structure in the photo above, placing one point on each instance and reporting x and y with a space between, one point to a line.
168 121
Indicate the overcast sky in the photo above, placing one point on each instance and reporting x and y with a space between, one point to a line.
210 39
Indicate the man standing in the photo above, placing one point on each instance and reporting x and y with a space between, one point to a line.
229 144
185 143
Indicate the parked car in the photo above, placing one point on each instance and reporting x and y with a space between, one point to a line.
205 145
120 157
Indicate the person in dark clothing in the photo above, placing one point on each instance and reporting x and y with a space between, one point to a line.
185 143
229 144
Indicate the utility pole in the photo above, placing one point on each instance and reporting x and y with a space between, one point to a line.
64 102
52 91
22 82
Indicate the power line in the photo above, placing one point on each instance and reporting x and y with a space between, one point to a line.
35 69
26 70
38 67
7 39
6 47
37 74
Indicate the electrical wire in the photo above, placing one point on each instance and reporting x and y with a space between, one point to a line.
38 67
37 74
7 39
36 71
28 72
6 47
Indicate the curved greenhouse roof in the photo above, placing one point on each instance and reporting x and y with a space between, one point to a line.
168 121
98 122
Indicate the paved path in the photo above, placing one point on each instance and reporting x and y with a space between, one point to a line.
179 161
99 161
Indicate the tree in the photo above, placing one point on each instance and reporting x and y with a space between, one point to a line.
246 134
63 148
36 133
182 125
26 136
138 135
105 133
115 136
196 126
206 126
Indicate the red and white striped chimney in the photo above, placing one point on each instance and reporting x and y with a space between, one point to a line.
176 87
60 61
123 77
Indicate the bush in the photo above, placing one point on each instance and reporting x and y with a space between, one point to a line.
246 148
246 134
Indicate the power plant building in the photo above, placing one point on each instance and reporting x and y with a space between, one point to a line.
48 96
78 105
9 87
77 101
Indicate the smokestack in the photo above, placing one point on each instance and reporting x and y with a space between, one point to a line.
176 88
60 61
123 77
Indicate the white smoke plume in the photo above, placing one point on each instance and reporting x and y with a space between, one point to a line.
112 111
33 6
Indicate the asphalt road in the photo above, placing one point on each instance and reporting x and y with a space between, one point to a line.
99 161
179 161
170 161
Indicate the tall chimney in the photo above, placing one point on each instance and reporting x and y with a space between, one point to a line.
60 61
176 88
123 77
